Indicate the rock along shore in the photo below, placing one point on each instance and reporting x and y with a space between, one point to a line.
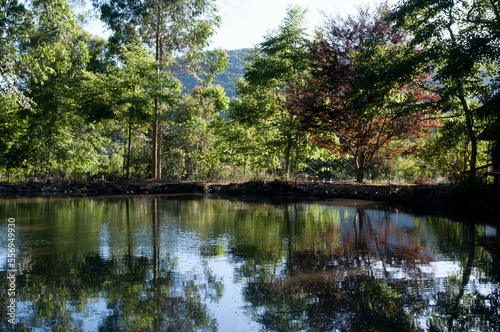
485 199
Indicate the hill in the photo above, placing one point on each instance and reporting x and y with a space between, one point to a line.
235 68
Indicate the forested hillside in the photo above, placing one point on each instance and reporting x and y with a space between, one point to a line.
406 93
235 69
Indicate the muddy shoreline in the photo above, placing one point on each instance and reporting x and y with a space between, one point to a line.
484 200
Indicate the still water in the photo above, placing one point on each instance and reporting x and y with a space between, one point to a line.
199 264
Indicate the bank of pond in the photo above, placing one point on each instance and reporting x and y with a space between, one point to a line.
445 198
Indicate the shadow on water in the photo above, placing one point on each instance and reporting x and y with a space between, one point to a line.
164 263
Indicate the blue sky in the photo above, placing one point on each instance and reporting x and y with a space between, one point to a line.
246 22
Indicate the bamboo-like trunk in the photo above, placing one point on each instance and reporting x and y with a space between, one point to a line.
156 165
128 149
287 161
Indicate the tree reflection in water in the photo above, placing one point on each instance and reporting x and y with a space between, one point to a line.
150 264
380 278
129 292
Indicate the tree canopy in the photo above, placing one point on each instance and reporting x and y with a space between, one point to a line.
354 101
460 42
404 93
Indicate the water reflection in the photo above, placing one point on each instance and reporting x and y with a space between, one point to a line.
161 264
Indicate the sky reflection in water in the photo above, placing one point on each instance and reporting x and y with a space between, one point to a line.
161 263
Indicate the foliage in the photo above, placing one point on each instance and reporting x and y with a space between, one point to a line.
271 67
178 31
234 70
50 136
15 24
359 101
449 150
459 42
354 101
191 134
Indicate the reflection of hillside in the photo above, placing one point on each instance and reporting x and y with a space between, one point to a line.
155 263
98 280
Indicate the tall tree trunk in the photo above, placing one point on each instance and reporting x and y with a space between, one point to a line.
469 118
360 175
156 166
359 168
50 139
189 168
155 142
273 168
496 160
128 149
158 152
124 164
469 122
287 160
245 167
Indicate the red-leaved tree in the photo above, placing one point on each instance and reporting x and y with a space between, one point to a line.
358 101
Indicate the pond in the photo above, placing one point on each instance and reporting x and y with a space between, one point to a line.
201 264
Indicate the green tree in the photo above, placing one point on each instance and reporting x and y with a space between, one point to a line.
134 87
254 111
271 67
234 70
49 130
101 59
15 24
455 38
137 83
448 150
40 48
242 148
192 128
176 30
